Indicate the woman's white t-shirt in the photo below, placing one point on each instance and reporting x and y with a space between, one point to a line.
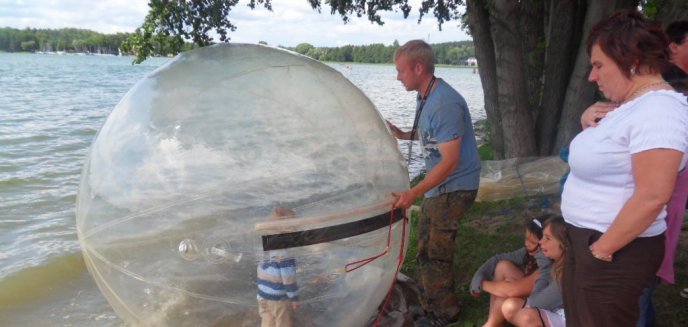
601 177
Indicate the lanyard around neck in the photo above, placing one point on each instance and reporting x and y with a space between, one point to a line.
417 118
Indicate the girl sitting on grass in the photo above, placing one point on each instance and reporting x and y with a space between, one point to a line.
544 308
512 274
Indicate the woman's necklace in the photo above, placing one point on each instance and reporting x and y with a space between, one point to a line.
643 89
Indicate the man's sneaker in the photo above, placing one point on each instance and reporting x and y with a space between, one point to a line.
684 293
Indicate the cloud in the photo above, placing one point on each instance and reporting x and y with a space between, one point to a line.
108 16
291 22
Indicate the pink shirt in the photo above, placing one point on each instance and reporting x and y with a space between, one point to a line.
676 208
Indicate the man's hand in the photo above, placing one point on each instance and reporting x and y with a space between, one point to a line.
404 199
395 130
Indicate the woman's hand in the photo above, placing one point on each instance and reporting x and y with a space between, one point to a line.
598 254
595 112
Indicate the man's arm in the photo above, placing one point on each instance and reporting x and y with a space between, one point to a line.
450 152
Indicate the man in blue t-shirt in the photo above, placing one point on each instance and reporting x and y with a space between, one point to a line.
448 145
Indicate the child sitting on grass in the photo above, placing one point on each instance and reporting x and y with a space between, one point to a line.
512 274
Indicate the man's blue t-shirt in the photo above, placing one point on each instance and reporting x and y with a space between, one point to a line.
445 117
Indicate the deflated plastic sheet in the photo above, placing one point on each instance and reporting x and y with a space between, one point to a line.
505 179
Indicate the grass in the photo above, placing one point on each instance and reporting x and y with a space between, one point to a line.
497 226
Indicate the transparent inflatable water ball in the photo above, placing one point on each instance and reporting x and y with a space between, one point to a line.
227 162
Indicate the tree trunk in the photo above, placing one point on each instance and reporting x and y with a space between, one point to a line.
581 93
478 23
671 11
561 45
533 48
512 92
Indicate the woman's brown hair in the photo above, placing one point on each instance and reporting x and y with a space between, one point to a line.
632 41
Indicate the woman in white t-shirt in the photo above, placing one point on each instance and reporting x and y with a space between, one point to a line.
622 174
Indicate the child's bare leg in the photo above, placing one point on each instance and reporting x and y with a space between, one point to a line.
511 307
505 270
528 317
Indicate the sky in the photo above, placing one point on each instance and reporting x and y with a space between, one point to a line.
291 22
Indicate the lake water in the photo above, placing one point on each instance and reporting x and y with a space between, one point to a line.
51 107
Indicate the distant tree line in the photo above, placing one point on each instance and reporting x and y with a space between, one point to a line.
75 40
87 41
449 53
64 39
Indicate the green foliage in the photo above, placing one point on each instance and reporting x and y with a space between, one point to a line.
195 21
453 53
485 151
64 39
450 53
304 48
409 266
170 23
347 8
650 7
29 45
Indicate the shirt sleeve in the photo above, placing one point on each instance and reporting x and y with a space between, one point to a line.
548 298
546 292
545 267
448 121
661 122
486 271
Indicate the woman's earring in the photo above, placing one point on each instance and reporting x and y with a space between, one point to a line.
632 71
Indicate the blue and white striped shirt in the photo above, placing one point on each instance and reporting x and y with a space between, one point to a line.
277 277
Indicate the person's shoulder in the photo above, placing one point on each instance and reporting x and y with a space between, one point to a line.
664 100
664 112
449 94
446 87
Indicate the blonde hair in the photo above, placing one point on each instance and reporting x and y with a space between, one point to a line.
557 226
418 52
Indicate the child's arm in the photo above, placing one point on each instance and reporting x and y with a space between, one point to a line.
486 271
518 288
